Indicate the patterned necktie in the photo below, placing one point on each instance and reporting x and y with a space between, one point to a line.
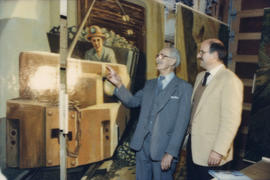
159 85
205 78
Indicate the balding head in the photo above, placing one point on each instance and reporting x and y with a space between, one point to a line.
213 40
215 45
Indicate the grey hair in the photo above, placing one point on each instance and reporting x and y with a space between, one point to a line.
174 53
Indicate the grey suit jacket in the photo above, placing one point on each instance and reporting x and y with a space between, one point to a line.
171 111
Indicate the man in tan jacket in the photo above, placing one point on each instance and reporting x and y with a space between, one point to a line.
216 113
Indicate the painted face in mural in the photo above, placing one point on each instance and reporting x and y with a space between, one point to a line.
206 58
97 43
164 60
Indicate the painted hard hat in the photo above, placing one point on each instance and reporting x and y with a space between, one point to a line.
95 31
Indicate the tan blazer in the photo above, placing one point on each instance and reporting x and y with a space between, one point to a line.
217 117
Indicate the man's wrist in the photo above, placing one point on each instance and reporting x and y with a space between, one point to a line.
118 85
220 155
169 154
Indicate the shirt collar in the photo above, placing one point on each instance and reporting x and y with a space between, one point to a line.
102 52
214 71
167 79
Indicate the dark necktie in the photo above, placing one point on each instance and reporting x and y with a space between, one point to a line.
205 78
159 85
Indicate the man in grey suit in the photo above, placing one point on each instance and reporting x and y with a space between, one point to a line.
165 112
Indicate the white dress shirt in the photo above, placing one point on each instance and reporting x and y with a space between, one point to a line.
167 79
213 72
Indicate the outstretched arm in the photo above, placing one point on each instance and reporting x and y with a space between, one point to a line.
123 93
113 77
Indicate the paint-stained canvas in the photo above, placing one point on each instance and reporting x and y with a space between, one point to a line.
192 27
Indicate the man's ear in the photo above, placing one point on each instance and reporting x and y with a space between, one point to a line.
215 54
172 61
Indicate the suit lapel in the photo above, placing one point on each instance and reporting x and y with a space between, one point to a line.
150 94
209 88
197 82
165 95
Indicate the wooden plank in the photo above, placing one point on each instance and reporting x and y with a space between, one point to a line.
249 36
235 27
107 14
109 25
127 6
251 13
115 22
79 17
131 6
246 58
255 4
223 11
237 5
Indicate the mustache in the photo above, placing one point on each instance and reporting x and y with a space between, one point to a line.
159 62
200 59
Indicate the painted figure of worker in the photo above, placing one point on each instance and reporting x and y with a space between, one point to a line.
99 52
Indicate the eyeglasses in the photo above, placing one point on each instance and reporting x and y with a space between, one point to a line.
202 52
162 56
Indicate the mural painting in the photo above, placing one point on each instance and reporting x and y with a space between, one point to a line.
92 108
121 30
